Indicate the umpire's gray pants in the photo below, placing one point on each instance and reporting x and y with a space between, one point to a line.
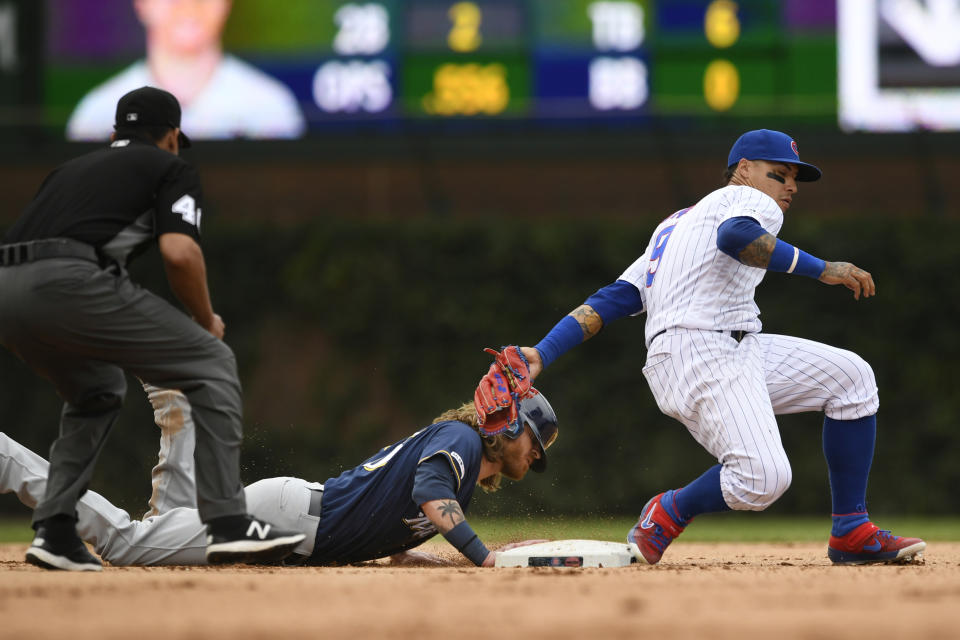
80 327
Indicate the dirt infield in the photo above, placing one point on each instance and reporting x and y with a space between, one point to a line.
698 591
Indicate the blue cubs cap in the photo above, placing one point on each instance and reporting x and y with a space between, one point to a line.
772 146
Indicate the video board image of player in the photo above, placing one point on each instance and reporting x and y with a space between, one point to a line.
222 96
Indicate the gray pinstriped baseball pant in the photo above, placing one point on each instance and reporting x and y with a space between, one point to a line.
81 327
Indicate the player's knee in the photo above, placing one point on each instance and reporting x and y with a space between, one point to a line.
758 489
860 370
777 484
223 364
856 393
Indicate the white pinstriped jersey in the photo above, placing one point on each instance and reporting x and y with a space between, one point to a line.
689 282
728 392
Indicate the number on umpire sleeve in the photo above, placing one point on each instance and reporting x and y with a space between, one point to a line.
187 207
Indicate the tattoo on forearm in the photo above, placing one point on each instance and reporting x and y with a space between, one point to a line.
589 320
451 509
758 252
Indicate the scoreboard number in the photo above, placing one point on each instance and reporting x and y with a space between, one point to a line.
617 26
465 34
363 29
618 83
468 89
721 85
720 23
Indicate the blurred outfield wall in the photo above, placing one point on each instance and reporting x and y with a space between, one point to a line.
514 171
360 279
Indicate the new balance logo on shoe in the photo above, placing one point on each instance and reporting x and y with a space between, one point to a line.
261 529
246 539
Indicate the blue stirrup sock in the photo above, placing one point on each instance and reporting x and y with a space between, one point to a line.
848 448
703 495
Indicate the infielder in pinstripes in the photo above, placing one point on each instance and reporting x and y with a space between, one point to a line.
710 367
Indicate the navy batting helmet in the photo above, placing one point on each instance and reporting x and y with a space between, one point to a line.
537 412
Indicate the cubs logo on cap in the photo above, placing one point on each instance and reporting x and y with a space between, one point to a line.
772 146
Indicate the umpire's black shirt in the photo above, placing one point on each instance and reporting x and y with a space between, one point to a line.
116 199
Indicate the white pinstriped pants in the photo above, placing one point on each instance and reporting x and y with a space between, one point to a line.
727 395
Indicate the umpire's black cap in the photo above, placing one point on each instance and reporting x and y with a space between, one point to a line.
150 106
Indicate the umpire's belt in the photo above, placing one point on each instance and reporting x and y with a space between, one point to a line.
23 252
736 335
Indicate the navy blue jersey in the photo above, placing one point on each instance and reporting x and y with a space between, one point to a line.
368 512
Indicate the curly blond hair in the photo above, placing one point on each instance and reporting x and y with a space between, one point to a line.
492 445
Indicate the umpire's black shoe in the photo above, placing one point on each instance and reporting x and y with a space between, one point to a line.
57 546
248 540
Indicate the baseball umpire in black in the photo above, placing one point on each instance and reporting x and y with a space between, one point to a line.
71 312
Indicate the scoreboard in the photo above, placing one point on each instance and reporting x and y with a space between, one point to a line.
547 60
368 63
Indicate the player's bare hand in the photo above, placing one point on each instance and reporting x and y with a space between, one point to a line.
215 326
533 357
850 276
418 559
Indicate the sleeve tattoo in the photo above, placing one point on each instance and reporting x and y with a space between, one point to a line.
758 252
451 509
589 320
